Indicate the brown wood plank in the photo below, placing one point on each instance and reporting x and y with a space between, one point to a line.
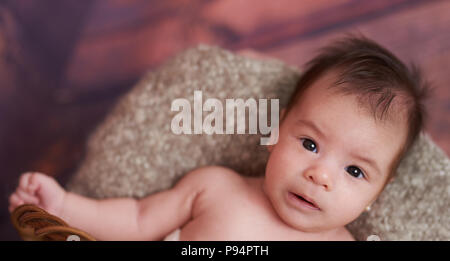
112 16
36 39
105 53
46 36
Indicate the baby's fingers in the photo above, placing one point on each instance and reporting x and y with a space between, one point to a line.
29 182
14 201
27 197
24 180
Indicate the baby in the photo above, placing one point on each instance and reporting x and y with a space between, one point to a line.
355 112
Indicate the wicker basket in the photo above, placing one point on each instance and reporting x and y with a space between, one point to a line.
35 224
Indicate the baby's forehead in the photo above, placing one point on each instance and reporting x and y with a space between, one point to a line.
334 107
384 107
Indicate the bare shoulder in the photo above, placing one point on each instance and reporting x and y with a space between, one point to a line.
211 177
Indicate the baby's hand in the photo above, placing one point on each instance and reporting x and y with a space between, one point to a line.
39 189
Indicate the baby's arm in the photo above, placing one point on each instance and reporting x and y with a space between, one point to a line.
150 218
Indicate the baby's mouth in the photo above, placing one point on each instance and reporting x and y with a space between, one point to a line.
307 201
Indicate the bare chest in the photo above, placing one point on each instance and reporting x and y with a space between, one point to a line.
242 214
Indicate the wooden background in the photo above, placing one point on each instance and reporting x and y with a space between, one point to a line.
63 63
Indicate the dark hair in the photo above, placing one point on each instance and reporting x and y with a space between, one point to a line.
376 76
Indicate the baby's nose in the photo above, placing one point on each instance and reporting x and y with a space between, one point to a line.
319 176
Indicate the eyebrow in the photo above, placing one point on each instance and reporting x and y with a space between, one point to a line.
370 162
312 126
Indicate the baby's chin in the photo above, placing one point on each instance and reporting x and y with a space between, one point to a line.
316 224
306 227
302 223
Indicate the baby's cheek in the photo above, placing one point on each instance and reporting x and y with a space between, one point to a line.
275 166
345 211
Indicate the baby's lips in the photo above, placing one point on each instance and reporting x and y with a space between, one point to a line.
309 199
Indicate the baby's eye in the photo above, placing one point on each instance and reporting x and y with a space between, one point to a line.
355 172
309 145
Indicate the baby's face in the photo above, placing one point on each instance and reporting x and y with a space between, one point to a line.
332 152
